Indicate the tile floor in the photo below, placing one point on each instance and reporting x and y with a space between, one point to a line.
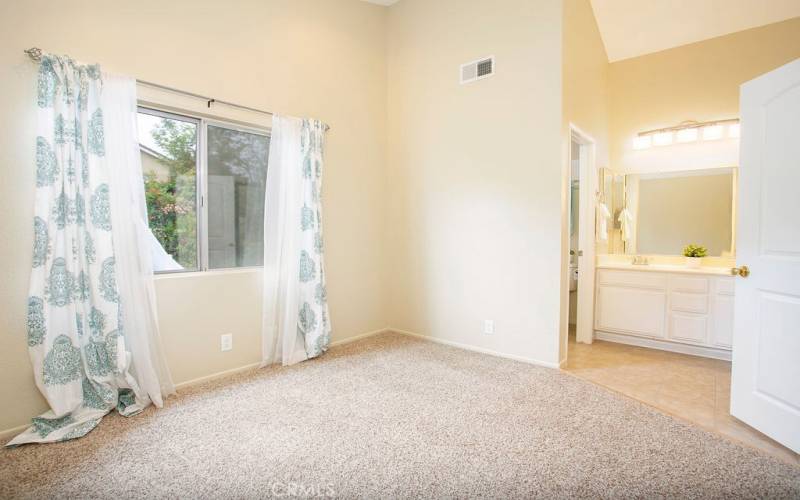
689 387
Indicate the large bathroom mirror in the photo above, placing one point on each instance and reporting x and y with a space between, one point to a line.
660 213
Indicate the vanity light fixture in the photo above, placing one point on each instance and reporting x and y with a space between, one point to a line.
688 131
662 139
642 142
712 132
686 135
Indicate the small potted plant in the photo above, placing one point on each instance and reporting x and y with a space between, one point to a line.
694 255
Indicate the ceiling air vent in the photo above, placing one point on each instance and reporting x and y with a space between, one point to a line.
477 70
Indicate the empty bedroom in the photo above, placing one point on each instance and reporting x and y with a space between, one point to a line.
400 248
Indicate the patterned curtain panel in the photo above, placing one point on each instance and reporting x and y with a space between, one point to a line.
296 321
312 317
75 335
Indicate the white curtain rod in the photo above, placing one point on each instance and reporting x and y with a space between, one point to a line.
35 53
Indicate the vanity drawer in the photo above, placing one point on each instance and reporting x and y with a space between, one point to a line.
635 279
689 284
688 328
689 302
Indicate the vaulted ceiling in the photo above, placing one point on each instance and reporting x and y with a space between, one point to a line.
631 28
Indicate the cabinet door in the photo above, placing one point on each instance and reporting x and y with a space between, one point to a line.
691 328
722 331
631 310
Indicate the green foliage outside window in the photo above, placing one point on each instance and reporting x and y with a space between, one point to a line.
171 203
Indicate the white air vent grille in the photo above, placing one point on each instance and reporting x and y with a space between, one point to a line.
477 70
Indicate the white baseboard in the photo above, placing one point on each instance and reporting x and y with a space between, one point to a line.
694 350
359 337
481 350
232 371
213 376
7 434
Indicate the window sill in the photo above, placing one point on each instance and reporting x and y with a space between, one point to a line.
211 272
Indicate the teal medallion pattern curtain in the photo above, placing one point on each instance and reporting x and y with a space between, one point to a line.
296 322
75 316
312 317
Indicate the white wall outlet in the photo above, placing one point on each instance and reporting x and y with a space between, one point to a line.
226 342
488 326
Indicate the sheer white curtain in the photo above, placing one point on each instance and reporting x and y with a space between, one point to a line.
295 323
132 240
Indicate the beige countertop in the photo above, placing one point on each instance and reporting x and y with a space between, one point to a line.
666 268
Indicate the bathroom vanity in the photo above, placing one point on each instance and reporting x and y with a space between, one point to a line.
645 294
667 307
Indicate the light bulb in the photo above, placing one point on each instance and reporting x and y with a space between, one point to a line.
686 135
662 139
712 132
642 142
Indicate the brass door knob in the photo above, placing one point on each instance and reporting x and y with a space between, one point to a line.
743 271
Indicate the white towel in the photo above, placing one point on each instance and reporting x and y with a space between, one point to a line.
603 214
626 223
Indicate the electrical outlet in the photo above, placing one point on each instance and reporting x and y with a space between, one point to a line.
488 326
226 342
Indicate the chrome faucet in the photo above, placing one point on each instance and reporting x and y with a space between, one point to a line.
639 260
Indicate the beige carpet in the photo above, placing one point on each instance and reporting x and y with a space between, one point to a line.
392 416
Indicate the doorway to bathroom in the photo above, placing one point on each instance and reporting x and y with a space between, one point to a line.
574 228
581 229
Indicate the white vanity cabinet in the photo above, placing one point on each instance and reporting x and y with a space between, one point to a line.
689 311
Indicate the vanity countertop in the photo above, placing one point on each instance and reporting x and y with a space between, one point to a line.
666 268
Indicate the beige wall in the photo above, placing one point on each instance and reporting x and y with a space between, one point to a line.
475 174
585 76
585 106
320 58
693 82
445 204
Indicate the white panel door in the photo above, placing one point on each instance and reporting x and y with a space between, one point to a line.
765 391
586 238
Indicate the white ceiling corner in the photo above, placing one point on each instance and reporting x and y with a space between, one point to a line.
632 28
385 3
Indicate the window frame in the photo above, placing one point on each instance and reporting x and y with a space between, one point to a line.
201 176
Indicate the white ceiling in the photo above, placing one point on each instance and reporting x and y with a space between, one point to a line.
382 2
632 28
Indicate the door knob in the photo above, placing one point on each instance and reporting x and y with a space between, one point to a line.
743 271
